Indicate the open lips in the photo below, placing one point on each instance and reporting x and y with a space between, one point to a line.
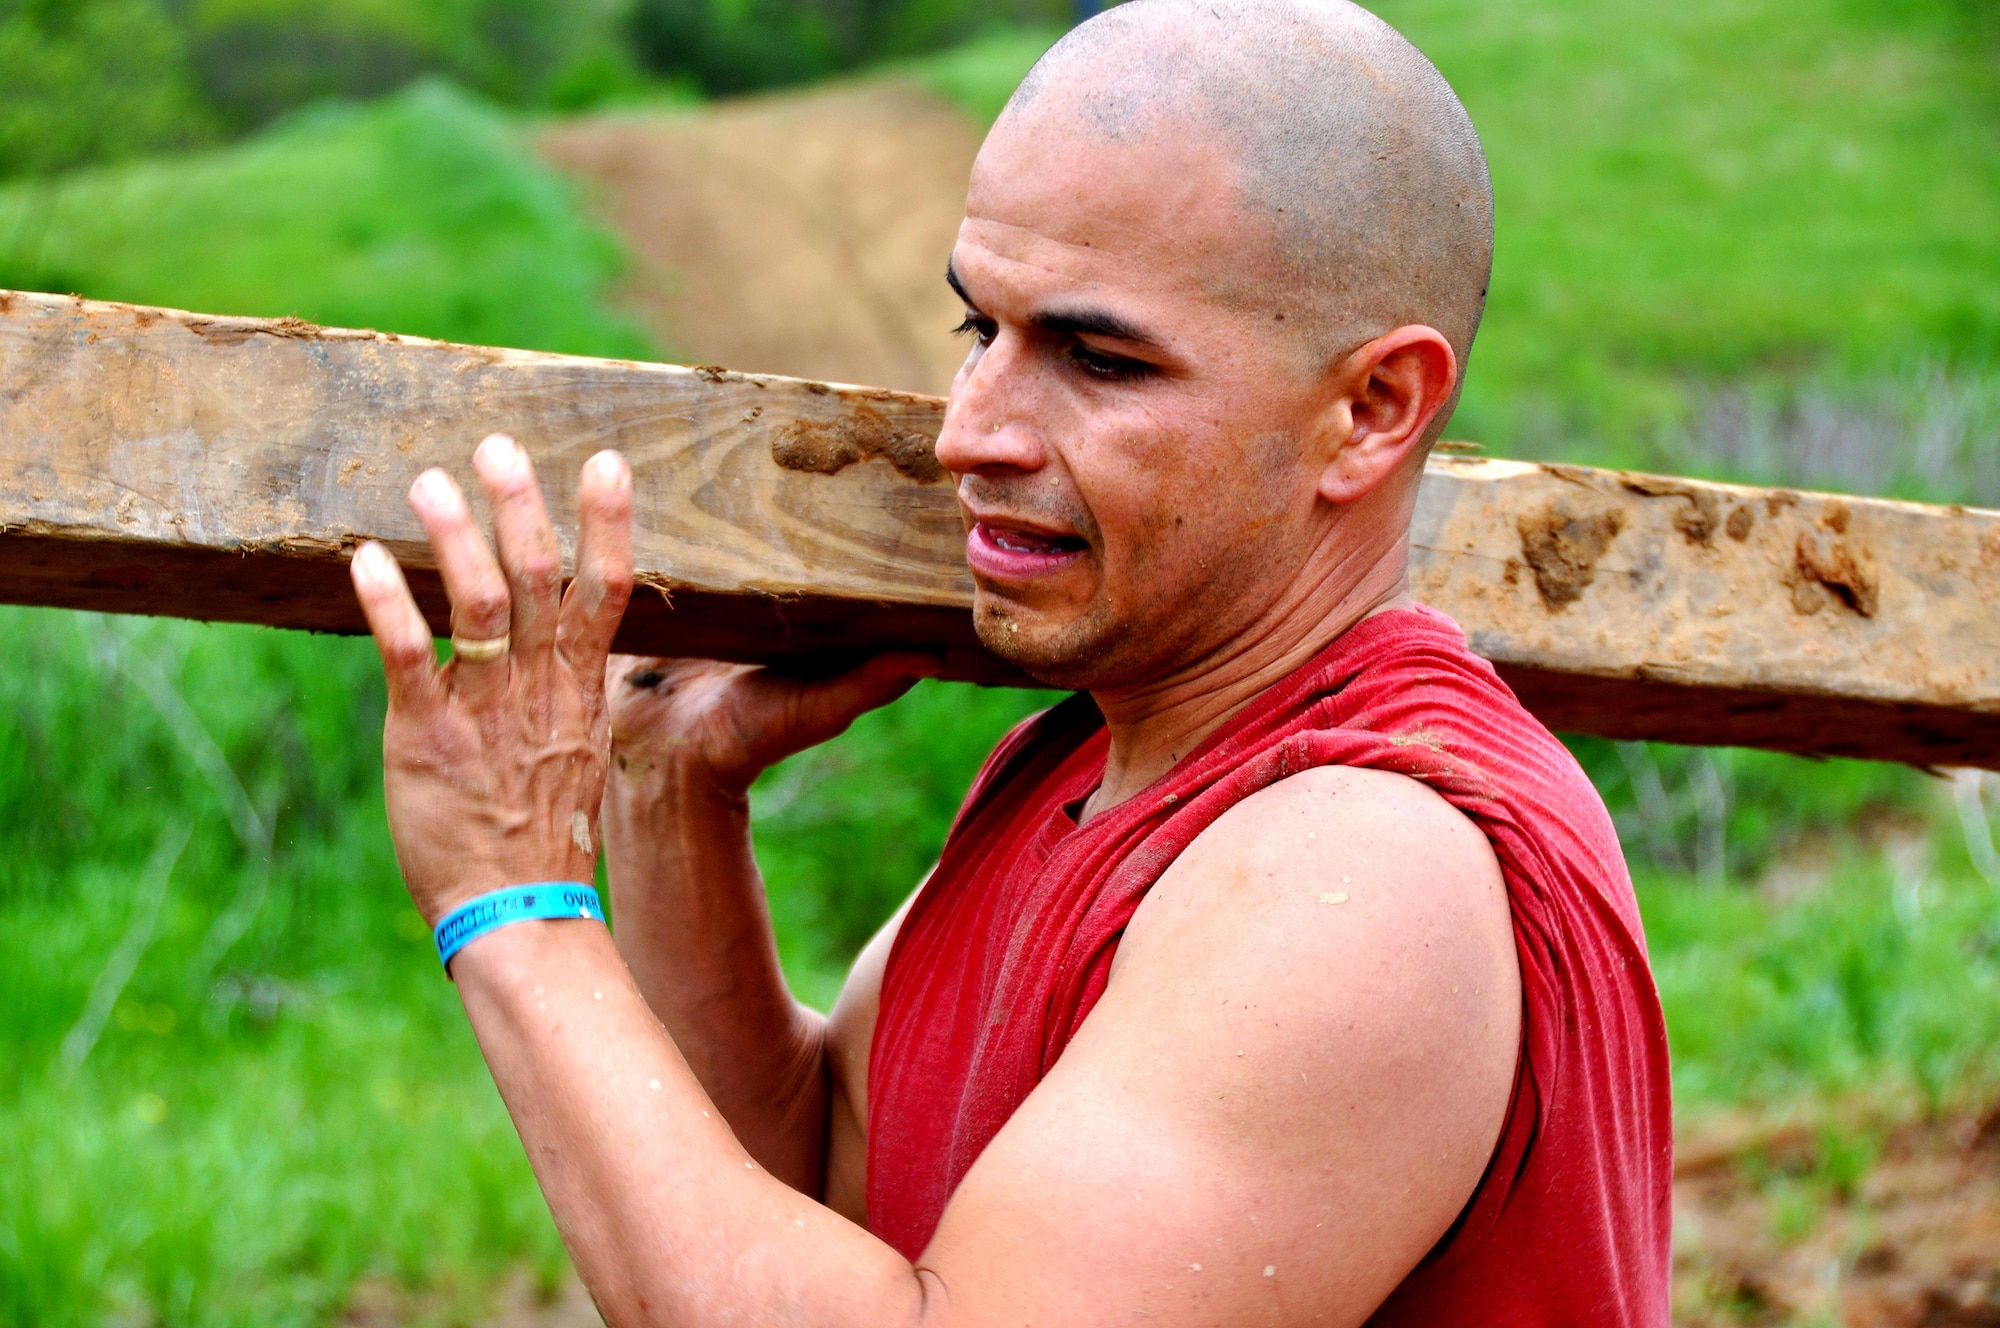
1009 552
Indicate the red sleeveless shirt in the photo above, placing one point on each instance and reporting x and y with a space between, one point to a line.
1009 945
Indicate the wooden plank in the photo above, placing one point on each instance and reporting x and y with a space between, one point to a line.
1640 606
221 468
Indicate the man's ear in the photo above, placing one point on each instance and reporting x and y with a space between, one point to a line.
1385 396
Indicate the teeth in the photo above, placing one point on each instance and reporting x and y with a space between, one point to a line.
1015 544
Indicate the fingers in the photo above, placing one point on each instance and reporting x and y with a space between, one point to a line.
399 629
530 558
596 600
825 709
480 603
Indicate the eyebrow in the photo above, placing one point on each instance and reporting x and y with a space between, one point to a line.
1075 322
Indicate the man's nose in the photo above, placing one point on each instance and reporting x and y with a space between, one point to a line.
990 421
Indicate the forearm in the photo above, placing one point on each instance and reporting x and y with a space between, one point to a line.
695 931
668 1218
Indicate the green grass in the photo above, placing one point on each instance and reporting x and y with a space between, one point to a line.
262 1120
1775 209
422 214
271 1108
1882 982
1696 196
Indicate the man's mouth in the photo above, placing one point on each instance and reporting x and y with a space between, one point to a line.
1010 553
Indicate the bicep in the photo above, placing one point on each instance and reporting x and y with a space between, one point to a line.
1277 1108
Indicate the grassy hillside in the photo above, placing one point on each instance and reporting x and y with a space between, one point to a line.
1717 202
422 214
1744 237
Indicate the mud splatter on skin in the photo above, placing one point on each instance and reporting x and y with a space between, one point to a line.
827 447
1562 547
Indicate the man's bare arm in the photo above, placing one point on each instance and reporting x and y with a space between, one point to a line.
1289 1091
693 926
1283 1100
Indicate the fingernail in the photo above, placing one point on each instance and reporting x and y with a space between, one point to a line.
500 454
371 564
606 469
433 487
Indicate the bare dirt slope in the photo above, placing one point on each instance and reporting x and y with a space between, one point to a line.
1908 1238
801 234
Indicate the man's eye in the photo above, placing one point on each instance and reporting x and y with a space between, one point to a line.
975 326
1109 368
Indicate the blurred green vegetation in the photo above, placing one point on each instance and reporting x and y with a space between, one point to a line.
90 81
338 214
1748 238
725 46
1753 238
235 1080
84 81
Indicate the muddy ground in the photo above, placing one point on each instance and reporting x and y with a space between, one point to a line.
804 234
1870 1225
807 234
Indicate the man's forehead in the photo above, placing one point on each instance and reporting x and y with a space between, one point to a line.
1055 207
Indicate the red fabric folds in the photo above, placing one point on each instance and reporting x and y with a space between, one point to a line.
1007 949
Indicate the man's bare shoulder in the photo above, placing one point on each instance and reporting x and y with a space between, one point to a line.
1329 856
1307 1042
1343 922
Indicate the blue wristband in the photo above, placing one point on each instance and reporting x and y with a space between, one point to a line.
519 903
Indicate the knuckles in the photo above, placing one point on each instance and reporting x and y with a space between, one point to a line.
407 653
617 583
541 572
487 607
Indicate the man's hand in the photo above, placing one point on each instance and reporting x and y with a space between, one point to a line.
731 722
494 767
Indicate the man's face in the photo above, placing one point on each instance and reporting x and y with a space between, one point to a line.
1130 430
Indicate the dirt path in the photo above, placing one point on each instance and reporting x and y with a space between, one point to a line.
1864 1228
802 234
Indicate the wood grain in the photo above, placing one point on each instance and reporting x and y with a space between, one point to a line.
222 468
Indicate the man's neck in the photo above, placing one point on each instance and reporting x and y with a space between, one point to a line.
1152 726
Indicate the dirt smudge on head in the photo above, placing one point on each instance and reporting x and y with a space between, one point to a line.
1562 547
827 447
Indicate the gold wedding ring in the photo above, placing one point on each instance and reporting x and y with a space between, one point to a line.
480 652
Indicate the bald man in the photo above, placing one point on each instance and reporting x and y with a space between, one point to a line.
1288 973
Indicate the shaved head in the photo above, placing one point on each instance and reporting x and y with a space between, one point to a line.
1349 149
1222 263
